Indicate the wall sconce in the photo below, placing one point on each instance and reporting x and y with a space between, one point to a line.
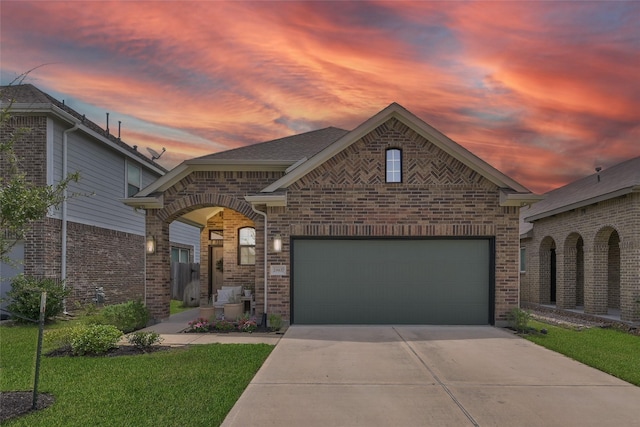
151 244
277 243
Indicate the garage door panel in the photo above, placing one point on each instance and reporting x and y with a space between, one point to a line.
391 281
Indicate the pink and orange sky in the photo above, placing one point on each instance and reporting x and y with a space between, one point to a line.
543 91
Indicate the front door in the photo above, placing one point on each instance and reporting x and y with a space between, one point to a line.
216 254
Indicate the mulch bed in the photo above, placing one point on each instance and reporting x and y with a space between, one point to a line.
16 403
123 350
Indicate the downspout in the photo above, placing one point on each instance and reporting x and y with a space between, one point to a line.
63 250
266 247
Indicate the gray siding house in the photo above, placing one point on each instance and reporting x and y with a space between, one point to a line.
93 240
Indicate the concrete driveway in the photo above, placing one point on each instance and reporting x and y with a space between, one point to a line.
427 376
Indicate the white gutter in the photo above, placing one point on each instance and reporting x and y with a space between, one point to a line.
266 247
63 250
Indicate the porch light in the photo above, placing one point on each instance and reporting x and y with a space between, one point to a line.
151 244
277 243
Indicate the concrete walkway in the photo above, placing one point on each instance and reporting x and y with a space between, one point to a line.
427 376
171 331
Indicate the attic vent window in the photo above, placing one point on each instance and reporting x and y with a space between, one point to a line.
394 165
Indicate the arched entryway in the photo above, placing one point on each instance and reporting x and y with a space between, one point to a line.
214 213
605 295
548 273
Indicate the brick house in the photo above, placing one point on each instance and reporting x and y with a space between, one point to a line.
580 246
392 222
93 240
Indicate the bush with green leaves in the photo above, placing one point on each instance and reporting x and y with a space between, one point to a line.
24 297
275 322
519 320
144 340
127 317
94 339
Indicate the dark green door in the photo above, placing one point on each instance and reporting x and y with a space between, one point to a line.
381 281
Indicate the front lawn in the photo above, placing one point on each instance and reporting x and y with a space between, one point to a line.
189 386
609 350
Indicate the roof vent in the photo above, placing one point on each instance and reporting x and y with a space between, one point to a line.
598 169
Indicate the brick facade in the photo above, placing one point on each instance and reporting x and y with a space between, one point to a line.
597 254
348 196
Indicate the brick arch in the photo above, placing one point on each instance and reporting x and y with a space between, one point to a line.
572 292
607 266
547 275
193 202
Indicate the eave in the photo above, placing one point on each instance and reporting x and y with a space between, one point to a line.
268 199
518 199
205 165
150 202
583 203
26 108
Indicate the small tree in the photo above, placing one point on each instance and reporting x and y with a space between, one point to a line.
21 200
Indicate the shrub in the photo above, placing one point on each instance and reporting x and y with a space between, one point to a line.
223 326
127 317
275 322
519 320
94 339
25 295
58 338
199 325
246 324
144 340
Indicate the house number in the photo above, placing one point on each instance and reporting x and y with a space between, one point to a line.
278 270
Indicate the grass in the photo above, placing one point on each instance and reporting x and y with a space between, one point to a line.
189 386
177 307
609 350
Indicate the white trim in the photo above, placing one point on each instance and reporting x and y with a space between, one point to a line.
518 199
145 202
50 151
267 199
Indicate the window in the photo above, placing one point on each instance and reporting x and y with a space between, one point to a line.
180 254
134 179
247 246
523 259
394 165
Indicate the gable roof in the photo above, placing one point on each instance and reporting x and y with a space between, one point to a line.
513 194
298 155
291 148
615 181
26 98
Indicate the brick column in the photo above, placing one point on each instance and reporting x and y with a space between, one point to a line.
158 271
595 283
630 281
566 296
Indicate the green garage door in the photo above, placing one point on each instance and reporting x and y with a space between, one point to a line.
381 281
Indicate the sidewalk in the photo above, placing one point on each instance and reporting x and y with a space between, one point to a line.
171 331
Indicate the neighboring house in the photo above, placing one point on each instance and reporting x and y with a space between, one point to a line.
94 240
391 223
580 246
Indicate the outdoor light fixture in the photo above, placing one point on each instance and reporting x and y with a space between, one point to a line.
277 243
151 244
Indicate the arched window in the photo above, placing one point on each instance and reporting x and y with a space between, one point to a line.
394 165
247 246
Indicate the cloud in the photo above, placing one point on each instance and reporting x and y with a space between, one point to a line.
539 92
